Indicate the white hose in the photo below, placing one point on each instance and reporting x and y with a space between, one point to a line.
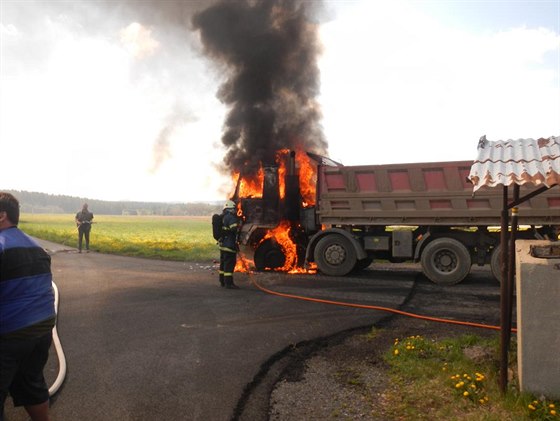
59 351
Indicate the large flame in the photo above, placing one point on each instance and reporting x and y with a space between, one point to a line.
307 175
281 234
250 186
307 179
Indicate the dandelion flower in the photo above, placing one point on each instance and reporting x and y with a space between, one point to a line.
551 406
531 407
465 393
552 412
396 352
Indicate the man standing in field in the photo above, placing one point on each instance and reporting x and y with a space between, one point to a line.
228 245
83 221
27 315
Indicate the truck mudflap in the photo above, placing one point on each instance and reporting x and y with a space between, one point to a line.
335 251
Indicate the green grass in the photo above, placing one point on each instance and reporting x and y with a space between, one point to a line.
435 380
160 237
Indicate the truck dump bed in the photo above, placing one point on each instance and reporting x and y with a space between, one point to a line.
437 193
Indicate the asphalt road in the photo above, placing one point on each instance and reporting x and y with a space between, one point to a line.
155 340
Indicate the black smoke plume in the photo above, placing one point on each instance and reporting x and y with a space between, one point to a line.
269 49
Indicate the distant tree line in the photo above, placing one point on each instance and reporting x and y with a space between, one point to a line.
33 202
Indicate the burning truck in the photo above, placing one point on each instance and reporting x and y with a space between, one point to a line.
306 212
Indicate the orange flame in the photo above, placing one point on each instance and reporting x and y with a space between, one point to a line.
242 264
307 172
307 179
282 236
250 187
281 177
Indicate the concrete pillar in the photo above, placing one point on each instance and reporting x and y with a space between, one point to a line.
538 320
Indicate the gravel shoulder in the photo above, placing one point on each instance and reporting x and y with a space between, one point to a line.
349 379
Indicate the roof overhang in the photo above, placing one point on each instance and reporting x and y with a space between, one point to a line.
521 161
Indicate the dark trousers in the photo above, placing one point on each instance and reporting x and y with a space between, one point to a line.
22 362
227 266
83 231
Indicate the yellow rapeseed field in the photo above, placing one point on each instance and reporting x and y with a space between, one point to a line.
183 238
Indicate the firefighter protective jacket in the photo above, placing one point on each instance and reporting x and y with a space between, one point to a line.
230 224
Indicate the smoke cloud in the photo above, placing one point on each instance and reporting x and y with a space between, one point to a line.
269 50
162 145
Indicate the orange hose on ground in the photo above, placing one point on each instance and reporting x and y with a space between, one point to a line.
372 307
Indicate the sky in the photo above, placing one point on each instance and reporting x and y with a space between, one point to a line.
114 100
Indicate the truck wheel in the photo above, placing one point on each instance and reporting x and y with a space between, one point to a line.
269 255
335 255
446 261
496 263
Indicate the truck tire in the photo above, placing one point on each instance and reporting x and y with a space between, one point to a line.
496 263
446 261
335 255
269 255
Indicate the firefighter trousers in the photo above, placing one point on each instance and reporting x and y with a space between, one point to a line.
227 266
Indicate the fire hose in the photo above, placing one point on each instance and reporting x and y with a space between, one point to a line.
374 307
59 351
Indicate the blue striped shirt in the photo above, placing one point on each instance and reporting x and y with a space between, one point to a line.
26 293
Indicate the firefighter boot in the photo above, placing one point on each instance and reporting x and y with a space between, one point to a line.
229 282
222 283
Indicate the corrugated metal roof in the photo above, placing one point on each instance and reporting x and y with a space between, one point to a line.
516 162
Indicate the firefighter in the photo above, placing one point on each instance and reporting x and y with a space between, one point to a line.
228 245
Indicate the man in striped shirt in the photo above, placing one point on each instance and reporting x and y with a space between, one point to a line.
27 315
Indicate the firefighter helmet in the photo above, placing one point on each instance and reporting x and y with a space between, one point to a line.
230 204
